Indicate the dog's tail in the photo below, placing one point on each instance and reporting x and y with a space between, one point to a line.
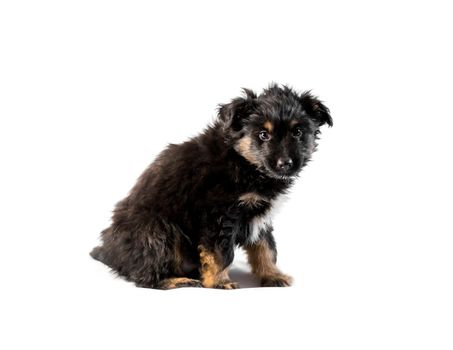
98 254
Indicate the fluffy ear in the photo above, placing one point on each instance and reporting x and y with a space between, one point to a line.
233 114
316 109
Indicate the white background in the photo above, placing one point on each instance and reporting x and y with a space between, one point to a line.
91 91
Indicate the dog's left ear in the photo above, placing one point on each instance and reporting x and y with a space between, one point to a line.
233 114
316 109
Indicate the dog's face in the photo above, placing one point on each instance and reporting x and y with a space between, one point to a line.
275 131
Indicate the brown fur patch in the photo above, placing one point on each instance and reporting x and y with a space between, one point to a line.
268 126
223 276
251 199
212 276
225 282
262 259
227 285
244 148
178 282
210 269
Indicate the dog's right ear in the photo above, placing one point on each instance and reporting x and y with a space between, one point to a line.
233 114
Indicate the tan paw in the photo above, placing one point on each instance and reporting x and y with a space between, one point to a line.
278 280
227 285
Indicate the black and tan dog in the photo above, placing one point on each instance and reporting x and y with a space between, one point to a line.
199 200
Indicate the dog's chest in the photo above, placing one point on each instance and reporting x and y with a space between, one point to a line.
258 212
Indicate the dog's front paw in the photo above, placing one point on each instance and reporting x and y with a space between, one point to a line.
278 280
227 285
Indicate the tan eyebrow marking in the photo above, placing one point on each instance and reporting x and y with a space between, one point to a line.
268 126
294 122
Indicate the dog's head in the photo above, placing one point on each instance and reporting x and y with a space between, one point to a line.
277 130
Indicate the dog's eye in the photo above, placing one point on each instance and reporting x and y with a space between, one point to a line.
264 136
297 132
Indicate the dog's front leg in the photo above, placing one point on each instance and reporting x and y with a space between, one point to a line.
214 267
216 254
216 251
262 256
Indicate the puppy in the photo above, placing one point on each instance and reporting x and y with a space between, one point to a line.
199 200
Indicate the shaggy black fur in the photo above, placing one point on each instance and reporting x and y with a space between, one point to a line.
200 199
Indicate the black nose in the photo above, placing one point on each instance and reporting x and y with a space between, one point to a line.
284 164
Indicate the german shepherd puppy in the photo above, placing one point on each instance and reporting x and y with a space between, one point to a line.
199 200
